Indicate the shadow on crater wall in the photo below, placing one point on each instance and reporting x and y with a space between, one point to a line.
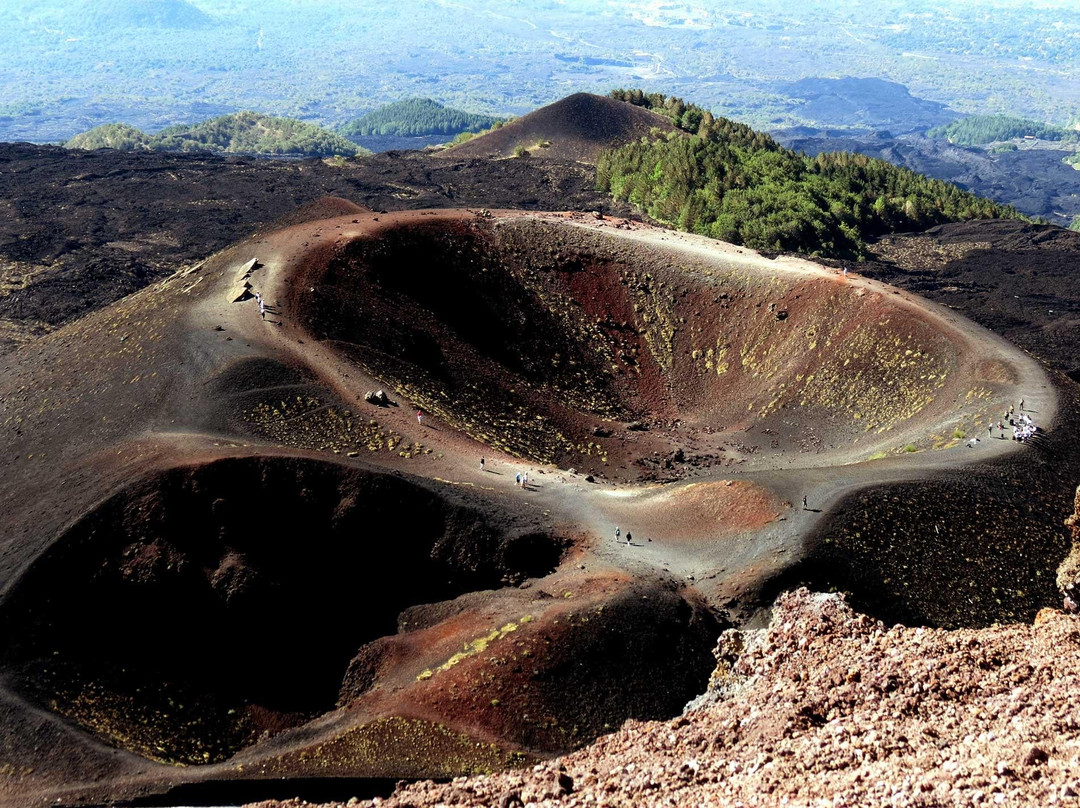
196 610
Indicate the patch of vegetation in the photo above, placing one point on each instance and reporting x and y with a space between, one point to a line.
1075 224
978 130
477 646
911 447
1073 160
725 180
241 132
416 117
395 745
309 423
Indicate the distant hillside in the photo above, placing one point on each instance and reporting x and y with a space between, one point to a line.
978 130
241 132
415 117
579 127
111 136
104 16
727 181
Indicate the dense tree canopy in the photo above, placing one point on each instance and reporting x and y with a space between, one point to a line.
415 117
978 130
726 181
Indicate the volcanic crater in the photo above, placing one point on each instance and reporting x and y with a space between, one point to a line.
222 552
545 338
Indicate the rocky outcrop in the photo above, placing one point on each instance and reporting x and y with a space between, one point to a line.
1068 574
725 682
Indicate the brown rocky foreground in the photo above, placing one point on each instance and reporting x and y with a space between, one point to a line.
830 707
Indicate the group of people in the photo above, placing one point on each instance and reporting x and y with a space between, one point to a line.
1023 427
521 479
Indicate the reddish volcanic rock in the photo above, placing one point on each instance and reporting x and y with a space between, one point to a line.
829 707
1068 574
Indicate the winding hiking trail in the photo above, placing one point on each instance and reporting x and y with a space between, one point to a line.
194 454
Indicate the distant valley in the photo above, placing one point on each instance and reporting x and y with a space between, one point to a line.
894 64
1034 178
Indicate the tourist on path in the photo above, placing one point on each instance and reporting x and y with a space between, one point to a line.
419 416
481 464
618 534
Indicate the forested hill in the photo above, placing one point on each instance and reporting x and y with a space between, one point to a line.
978 130
241 132
416 117
722 179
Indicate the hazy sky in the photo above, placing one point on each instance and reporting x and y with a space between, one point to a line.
69 64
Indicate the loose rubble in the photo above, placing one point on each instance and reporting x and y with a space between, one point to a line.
1068 574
